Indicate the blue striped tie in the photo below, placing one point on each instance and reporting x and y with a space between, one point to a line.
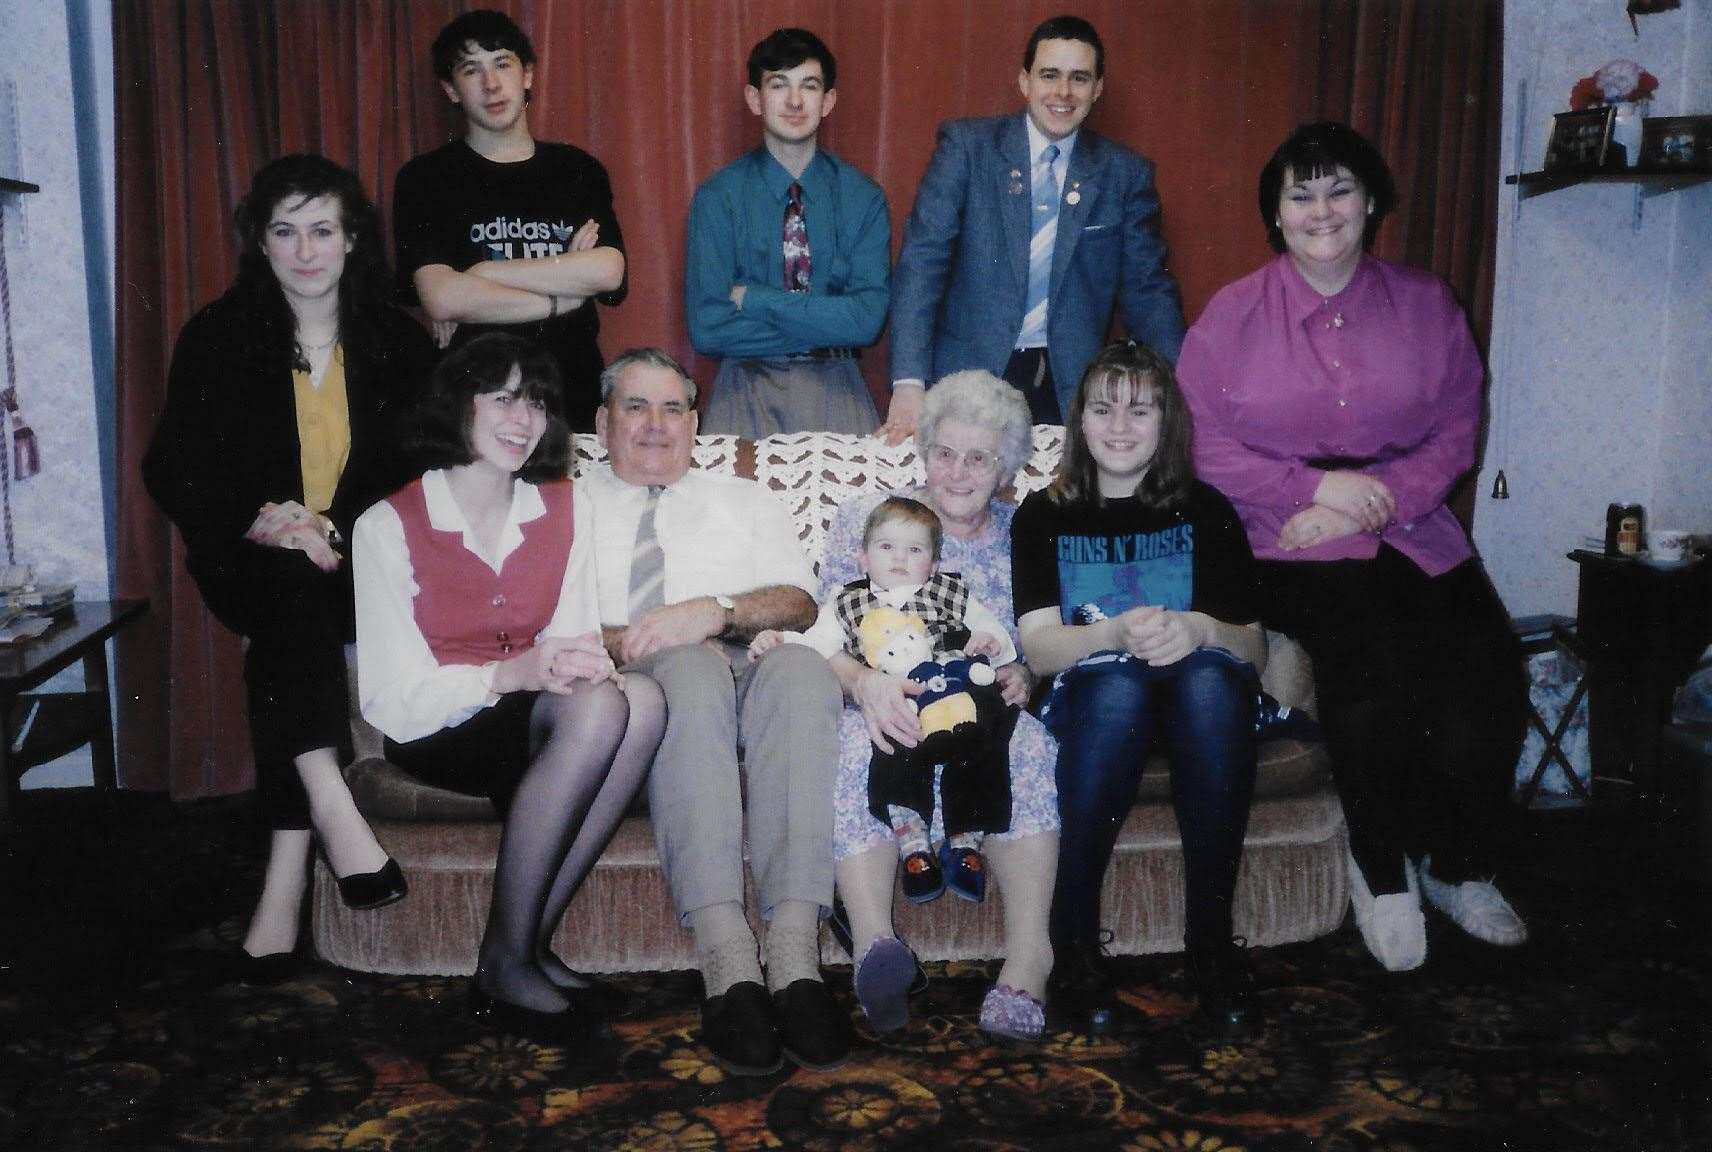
1044 198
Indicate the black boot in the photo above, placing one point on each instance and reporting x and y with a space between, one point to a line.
1219 972
1081 988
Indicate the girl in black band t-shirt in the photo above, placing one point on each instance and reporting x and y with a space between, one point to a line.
1135 589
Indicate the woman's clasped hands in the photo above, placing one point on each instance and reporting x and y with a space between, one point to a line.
556 664
1159 635
290 525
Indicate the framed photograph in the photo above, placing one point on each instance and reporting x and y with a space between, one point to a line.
1580 141
1676 143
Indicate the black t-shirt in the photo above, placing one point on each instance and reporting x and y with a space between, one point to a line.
1095 560
455 207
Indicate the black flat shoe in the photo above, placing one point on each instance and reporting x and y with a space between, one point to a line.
737 1029
603 996
367 890
1229 1006
814 1030
258 971
572 1025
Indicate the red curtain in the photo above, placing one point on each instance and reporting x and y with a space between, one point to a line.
1422 80
208 90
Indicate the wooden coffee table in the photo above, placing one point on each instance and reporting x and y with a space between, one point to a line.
60 722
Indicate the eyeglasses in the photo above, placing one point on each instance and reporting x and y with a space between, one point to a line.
976 459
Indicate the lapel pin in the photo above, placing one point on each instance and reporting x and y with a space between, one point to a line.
1074 196
1016 182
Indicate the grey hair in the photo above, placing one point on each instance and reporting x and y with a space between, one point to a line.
979 398
648 357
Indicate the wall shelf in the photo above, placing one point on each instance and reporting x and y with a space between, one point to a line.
1646 184
7 184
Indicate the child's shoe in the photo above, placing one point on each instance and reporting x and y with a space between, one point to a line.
922 880
965 872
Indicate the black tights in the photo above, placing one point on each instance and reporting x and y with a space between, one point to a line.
590 752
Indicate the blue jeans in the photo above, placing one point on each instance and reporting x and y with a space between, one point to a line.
1202 707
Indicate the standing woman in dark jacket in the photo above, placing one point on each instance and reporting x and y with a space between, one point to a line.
272 441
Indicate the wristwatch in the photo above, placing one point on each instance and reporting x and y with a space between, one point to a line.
730 607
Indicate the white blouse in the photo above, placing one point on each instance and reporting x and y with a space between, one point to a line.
402 689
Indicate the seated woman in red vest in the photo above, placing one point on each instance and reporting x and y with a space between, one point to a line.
479 657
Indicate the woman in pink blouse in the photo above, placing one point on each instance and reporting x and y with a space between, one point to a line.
1336 400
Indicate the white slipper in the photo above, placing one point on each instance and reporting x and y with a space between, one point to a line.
1392 926
1477 907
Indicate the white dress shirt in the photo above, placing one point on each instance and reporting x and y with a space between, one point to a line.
720 535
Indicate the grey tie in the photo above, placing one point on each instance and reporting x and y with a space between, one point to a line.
647 562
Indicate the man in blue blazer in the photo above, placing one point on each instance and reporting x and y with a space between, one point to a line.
1012 199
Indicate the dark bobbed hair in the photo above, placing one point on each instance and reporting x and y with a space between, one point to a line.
1320 149
909 510
437 431
784 49
493 31
1066 28
1120 371
365 287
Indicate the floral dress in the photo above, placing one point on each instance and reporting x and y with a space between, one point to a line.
985 564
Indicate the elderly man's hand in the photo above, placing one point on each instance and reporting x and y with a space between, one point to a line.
688 622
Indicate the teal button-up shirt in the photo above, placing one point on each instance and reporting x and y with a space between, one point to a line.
736 237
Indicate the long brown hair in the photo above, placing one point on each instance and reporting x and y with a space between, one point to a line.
1119 372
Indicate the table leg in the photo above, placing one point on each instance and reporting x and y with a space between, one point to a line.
102 767
8 785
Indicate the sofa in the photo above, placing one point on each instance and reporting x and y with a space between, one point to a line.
1291 886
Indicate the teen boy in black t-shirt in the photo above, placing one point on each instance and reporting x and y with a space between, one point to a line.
502 230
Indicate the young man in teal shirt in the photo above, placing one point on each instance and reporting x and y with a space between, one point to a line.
789 260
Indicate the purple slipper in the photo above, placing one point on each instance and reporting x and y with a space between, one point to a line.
1012 1014
883 978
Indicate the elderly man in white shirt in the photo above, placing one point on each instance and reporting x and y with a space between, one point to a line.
689 567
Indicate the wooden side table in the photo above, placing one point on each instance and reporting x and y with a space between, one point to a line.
60 721
1640 629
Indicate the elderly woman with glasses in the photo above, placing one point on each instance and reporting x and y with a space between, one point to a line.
975 432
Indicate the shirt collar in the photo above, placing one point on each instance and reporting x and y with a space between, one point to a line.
1037 143
1303 301
444 515
779 179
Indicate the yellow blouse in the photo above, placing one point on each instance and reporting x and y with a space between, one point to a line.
323 431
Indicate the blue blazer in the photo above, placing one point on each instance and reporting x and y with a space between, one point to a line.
961 278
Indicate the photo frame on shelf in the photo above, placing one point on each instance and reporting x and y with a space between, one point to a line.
1676 144
1580 141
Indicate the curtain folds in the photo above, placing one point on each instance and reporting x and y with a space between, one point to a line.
209 90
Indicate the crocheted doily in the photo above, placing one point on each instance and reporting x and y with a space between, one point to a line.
812 473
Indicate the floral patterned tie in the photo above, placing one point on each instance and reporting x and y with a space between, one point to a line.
798 263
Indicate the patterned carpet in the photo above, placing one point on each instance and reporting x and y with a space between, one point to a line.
115 1033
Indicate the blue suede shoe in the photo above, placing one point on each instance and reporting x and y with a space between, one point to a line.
965 872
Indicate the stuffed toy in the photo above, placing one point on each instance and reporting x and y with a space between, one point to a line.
964 729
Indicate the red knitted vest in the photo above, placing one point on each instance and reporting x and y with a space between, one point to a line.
468 613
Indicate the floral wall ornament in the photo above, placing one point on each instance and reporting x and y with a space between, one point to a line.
1618 82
